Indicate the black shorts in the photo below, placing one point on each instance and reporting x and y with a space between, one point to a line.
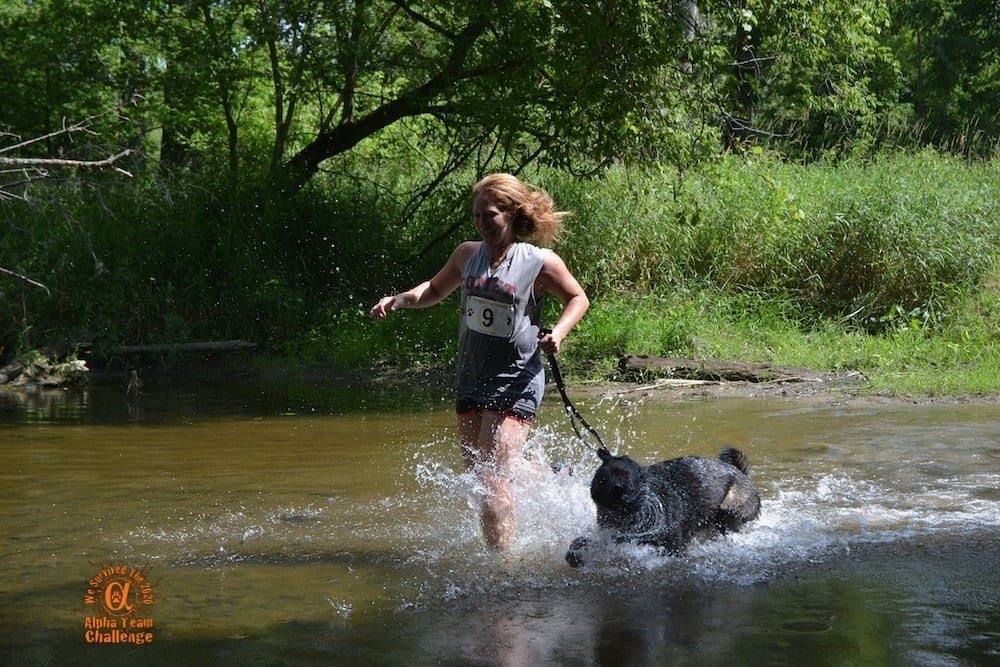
464 405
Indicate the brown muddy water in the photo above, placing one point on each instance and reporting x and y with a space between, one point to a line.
310 524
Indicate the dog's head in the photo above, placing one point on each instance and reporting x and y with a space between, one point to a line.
617 482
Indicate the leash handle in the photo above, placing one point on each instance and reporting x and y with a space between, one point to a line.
571 410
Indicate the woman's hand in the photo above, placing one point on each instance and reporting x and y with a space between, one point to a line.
385 305
550 343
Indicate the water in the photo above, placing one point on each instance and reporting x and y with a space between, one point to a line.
300 524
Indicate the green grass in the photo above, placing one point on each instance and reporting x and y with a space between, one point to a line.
960 356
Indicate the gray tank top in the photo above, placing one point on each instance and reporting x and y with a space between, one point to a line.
499 363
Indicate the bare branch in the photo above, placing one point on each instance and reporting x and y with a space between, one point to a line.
752 60
79 126
40 162
22 170
740 124
66 129
461 220
456 158
24 278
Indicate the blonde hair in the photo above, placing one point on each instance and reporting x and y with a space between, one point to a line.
535 216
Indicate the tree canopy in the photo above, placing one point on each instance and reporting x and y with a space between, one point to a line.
281 89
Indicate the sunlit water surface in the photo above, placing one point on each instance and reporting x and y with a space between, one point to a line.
309 524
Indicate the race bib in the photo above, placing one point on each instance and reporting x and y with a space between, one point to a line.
489 317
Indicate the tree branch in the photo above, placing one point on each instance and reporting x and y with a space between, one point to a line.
66 129
345 136
420 18
74 164
456 158
461 219
24 278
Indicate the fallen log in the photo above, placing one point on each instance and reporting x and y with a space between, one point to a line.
206 346
643 368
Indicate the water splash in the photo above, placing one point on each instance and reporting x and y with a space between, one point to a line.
430 531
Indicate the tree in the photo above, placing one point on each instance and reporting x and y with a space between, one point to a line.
72 59
806 73
950 53
567 78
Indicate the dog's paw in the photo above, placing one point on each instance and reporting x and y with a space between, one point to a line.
574 556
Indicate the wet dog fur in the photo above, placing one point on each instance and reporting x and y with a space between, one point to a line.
670 503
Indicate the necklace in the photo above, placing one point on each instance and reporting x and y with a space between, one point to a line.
505 258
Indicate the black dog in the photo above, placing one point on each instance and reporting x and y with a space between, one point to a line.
669 503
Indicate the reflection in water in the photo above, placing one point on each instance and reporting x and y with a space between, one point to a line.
338 525
42 404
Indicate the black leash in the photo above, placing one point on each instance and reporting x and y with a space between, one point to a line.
571 410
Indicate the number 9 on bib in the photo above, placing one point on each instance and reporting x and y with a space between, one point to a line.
489 317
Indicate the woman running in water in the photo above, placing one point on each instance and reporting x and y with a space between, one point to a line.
500 378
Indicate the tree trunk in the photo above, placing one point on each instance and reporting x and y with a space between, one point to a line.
692 22
746 72
172 150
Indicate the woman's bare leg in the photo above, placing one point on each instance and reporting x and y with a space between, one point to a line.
469 424
491 453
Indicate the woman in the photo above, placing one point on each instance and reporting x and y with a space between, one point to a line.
500 378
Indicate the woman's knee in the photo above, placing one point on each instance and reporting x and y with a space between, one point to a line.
493 450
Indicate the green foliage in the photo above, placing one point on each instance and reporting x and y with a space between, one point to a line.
242 88
950 55
65 60
393 109
894 243
959 356
168 261
805 76
649 324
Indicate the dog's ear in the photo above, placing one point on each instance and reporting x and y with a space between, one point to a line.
604 454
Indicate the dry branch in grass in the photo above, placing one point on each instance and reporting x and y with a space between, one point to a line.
23 278
31 169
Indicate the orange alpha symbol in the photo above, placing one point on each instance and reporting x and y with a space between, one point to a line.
116 596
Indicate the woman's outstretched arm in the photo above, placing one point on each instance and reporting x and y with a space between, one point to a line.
430 291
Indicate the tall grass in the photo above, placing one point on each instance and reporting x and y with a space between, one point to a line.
172 261
869 243
822 264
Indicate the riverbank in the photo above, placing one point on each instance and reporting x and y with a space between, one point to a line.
434 379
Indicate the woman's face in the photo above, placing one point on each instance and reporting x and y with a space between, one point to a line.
492 221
